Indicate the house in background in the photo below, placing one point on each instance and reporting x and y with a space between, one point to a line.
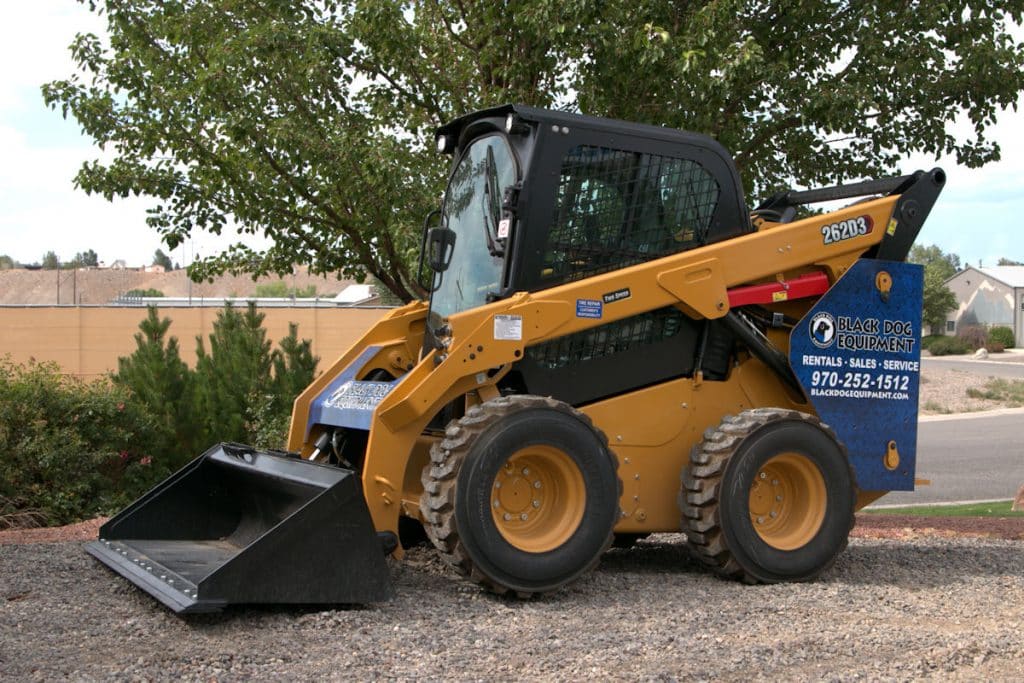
989 297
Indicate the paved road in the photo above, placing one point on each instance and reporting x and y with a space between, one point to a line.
978 457
985 368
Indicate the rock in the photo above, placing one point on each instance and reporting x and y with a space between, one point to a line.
980 354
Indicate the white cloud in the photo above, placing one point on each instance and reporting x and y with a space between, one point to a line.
39 208
34 37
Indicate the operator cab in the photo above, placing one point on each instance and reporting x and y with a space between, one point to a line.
539 198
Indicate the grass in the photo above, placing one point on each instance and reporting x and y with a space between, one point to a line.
1010 392
997 509
936 407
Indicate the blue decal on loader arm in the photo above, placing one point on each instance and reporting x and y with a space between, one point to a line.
347 402
857 354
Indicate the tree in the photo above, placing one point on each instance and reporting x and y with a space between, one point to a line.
51 261
162 259
161 381
1002 262
241 389
280 289
148 292
938 299
932 257
84 259
308 121
6 262
231 378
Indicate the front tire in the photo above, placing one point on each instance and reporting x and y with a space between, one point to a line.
768 496
521 495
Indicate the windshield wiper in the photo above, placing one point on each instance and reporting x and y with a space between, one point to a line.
492 205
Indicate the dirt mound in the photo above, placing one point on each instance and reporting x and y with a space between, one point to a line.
101 286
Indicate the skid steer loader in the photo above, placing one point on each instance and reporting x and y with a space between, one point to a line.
613 345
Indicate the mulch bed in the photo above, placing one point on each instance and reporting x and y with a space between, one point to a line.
901 526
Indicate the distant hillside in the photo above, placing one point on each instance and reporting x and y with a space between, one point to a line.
93 286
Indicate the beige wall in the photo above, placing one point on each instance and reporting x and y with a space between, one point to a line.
87 341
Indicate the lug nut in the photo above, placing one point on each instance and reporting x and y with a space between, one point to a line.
536 503
497 484
778 498
524 517
526 471
760 520
508 517
536 484
775 482
764 476
497 504
773 514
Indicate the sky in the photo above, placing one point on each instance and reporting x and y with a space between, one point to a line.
977 215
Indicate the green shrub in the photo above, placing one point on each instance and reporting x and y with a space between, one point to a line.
946 346
1001 335
156 293
926 341
70 449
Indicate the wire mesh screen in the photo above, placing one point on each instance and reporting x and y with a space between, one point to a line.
616 208
621 336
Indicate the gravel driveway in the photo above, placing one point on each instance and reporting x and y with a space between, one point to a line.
924 607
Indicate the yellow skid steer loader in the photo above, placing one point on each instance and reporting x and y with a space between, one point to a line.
614 345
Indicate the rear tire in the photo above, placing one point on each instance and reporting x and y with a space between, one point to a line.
521 495
768 496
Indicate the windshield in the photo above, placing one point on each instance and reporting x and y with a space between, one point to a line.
472 208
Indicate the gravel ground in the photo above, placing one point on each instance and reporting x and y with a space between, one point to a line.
900 604
944 390
916 607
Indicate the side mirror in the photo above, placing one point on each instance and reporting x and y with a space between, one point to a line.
440 247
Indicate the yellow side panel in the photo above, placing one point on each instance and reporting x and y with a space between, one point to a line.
651 431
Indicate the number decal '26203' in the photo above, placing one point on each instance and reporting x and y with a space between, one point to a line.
845 230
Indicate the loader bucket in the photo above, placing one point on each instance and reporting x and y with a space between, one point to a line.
237 525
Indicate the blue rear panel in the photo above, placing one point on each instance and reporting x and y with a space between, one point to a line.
857 354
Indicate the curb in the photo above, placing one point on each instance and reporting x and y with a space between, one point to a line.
998 412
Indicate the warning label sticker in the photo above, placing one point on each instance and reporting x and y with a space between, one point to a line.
508 327
588 308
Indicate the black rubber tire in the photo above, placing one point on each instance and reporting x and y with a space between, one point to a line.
715 493
456 499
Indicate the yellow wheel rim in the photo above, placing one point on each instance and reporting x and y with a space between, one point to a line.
537 499
788 501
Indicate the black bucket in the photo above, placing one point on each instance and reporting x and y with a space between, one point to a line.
237 525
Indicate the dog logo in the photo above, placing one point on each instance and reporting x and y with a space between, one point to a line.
823 330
